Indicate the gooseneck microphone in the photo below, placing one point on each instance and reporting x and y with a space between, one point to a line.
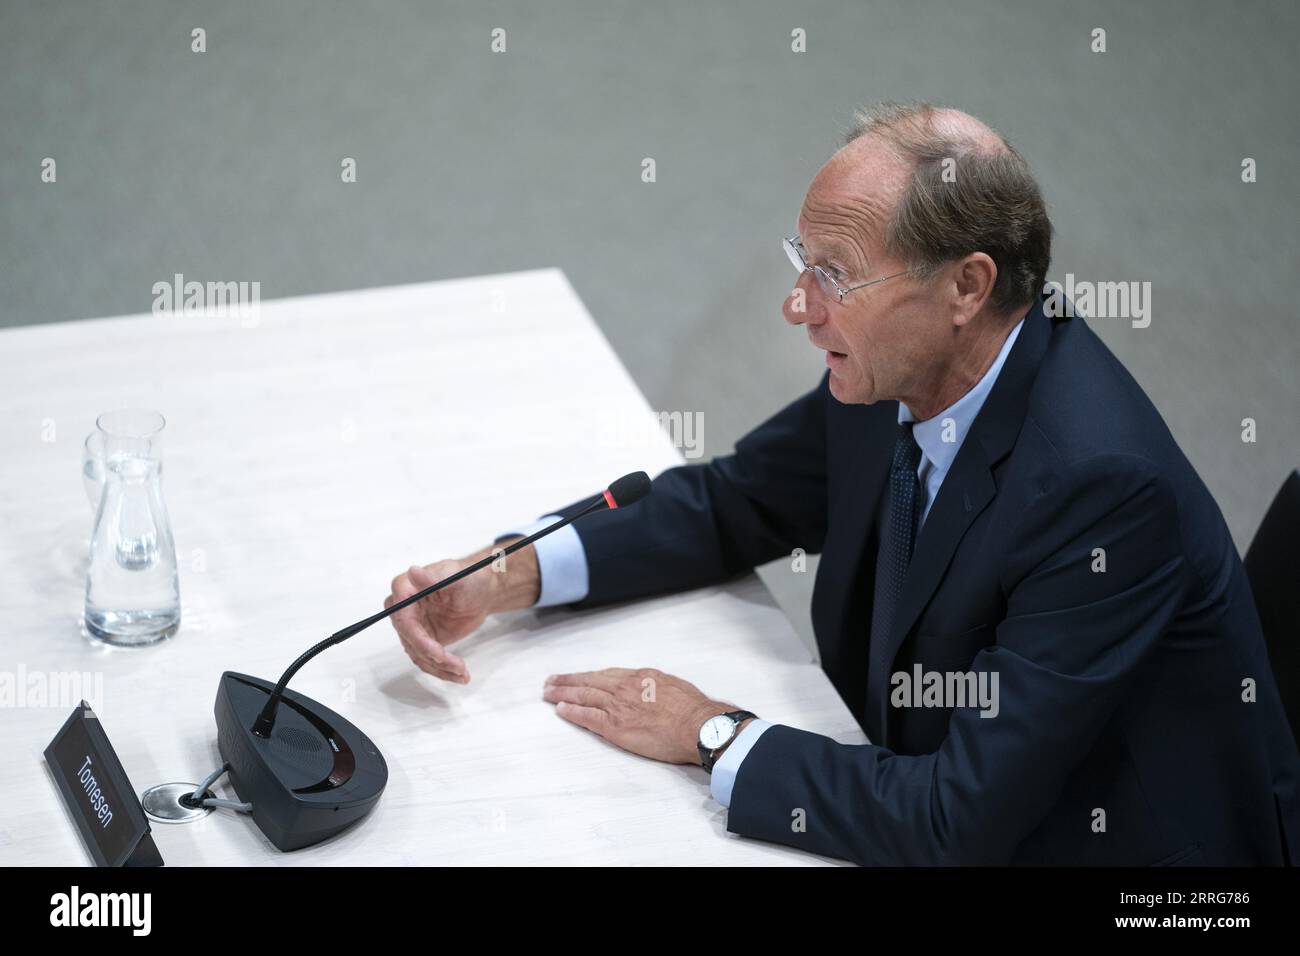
623 492
305 772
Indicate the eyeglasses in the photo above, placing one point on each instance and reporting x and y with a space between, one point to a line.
793 246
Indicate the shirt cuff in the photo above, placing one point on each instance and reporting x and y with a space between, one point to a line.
728 765
561 562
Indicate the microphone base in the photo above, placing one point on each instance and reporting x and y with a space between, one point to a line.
314 775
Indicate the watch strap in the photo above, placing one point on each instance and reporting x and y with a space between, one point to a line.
709 757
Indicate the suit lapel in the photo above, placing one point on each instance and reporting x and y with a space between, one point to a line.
842 607
966 491
874 444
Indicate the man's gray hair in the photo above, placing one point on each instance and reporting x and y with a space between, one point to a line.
983 199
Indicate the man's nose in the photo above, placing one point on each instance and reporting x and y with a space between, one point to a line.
803 304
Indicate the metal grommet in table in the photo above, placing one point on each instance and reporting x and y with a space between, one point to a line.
169 803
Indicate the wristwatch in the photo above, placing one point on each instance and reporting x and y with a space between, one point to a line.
716 733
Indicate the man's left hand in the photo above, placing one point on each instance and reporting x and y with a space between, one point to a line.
645 711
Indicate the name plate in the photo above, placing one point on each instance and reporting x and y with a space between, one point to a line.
98 794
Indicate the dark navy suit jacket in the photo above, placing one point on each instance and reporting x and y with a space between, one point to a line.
1126 733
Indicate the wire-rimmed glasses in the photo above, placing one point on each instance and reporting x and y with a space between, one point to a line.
794 248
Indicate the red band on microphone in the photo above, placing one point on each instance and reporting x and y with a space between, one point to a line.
609 499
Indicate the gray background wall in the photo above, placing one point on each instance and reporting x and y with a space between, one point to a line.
225 166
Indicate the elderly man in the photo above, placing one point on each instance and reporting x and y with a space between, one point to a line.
995 500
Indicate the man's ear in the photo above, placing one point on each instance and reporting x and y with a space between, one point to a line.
973 279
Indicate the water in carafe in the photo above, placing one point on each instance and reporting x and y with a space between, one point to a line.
132 587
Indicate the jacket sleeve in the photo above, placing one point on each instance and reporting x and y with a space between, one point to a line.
704 523
1067 649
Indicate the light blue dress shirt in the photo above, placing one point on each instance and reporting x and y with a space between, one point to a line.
563 563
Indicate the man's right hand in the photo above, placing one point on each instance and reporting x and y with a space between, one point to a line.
456 611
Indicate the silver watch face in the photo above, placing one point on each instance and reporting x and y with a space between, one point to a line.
716 731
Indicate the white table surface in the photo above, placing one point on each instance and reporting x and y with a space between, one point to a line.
310 456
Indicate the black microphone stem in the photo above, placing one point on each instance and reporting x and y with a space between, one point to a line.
266 719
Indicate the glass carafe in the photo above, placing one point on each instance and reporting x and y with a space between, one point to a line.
132 588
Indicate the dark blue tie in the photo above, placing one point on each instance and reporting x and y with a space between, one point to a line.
897 536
